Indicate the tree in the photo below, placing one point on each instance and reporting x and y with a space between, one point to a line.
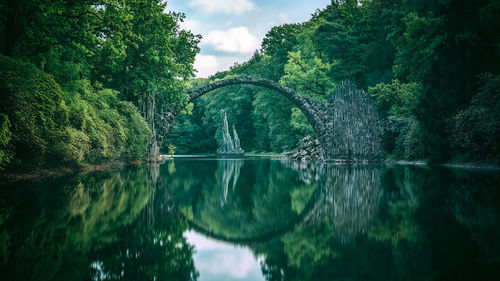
475 131
397 102
171 149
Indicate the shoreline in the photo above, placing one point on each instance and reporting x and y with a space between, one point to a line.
455 165
471 166
40 173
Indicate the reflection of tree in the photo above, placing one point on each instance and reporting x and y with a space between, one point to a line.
335 241
309 248
260 203
397 226
260 206
478 208
106 204
354 223
91 226
402 227
141 253
345 205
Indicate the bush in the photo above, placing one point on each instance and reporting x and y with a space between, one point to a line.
40 124
397 102
32 100
5 136
475 130
114 128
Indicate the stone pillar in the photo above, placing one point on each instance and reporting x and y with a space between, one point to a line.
353 127
228 148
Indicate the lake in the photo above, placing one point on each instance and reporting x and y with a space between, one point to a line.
253 219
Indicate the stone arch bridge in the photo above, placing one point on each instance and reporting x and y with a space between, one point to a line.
347 124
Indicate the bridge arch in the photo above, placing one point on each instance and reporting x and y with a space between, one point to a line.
307 105
311 108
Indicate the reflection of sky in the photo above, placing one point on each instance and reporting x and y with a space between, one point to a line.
219 261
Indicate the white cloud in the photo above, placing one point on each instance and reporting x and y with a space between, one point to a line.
223 6
206 65
220 260
284 18
191 25
234 40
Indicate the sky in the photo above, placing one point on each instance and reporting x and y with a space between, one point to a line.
233 29
218 261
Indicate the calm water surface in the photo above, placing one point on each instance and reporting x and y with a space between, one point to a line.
253 219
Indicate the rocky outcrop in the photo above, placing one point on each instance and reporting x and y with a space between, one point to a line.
307 149
351 130
353 127
229 148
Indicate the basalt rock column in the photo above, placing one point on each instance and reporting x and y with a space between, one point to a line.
353 129
228 148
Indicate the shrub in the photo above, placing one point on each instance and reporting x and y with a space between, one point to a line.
5 136
475 133
32 100
42 125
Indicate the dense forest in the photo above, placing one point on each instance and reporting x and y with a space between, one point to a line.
74 74
432 67
79 79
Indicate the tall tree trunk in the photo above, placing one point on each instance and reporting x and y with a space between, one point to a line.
149 113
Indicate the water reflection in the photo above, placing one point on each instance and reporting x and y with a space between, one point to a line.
221 261
204 219
228 170
89 227
349 199
249 202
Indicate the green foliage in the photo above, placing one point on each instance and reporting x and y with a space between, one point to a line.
300 196
272 114
305 71
114 127
83 62
475 129
134 48
148 54
397 102
101 216
171 149
5 137
33 102
276 44
309 248
300 124
444 48
52 127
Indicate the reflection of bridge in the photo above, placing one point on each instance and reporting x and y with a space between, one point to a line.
347 126
347 198
290 227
